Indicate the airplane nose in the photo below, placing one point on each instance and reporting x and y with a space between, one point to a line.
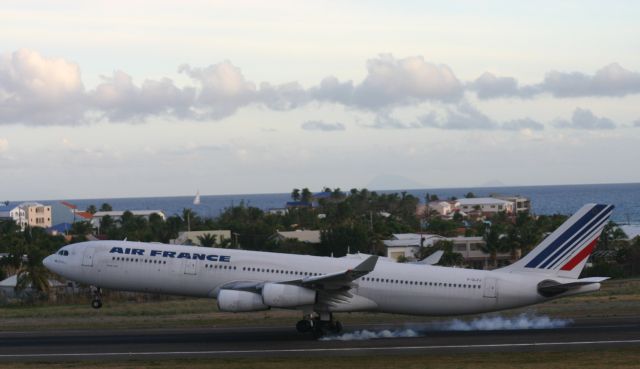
48 262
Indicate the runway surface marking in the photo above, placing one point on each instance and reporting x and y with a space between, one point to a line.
275 351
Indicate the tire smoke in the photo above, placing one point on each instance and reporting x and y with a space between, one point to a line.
484 323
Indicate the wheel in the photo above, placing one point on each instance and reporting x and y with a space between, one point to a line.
303 326
317 332
96 304
338 327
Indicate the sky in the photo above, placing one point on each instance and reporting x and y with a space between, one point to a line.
104 99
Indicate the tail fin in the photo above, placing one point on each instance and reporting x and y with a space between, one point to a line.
565 251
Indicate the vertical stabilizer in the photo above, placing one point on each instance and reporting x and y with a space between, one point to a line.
565 251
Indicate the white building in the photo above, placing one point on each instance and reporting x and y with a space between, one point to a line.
487 205
407 245
444 208
307 236
521 204
191 238
30 214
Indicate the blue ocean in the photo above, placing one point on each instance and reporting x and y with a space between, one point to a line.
564 199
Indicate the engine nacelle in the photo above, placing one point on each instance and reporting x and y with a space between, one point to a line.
287 296
240 301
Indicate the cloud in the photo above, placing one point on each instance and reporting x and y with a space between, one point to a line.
119 99
222 88
637 123
384 120
489 86
315 125
521 124
585 119
463 117
392 81
39 90
4 145
612 80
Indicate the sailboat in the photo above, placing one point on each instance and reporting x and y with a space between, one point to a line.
196 200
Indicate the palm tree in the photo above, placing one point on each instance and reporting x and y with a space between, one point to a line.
306 195
91 209
225 243
493 242
295 194
207 240
81 228
610 233
33 274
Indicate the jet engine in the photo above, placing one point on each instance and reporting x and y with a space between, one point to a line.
287 296
240 301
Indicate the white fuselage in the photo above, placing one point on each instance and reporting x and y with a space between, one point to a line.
202 271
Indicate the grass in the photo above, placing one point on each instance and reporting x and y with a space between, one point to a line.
615 358
616 298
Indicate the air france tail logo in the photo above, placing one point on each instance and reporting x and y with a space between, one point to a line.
575 244
171 254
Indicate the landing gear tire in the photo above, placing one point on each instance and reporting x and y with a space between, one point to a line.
96 304
318 331
304 326
337 327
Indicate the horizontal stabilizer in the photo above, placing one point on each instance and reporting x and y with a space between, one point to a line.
549 288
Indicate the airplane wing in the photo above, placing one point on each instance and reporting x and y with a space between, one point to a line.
339 280
332 288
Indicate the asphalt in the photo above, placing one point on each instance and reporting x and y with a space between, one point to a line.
285 341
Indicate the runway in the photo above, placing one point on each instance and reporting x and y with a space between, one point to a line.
284 341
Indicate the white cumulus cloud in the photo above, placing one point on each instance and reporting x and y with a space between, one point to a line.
612 80
489 86
39 90
119 99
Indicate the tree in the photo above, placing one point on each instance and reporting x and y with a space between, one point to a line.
81 228
493 238
470 195
295 194
207 240
337 194
306 195
33 274
107 225
106 207
610 233
91 209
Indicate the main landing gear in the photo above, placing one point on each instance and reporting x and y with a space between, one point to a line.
319 324
96 303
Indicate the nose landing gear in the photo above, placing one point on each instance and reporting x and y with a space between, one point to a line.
96 303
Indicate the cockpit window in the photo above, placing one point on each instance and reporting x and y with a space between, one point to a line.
63 252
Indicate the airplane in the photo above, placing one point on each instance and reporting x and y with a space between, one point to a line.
244 281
